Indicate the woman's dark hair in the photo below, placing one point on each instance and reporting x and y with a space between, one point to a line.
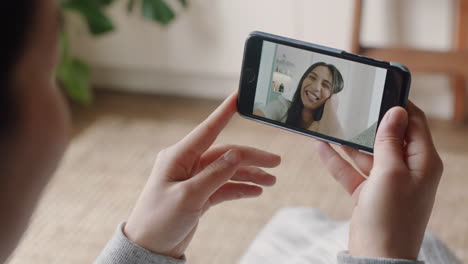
15 19
295 111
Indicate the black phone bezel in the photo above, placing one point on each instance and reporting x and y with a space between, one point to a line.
398 76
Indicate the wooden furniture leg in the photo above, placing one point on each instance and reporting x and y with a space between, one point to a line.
459 94
453 62
460 43
357 23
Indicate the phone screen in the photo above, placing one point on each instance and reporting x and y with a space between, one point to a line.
320 93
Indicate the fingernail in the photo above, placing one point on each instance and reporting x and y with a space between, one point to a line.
278 157
231 157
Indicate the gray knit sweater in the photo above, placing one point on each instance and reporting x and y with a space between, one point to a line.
120 250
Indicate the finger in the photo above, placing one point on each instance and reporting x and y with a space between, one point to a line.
234 191
390 138
339 168
203 136
420 149
418 128
363 161
224 168
207 181
248 153
254 175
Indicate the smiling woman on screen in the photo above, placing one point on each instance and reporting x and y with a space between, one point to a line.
316 87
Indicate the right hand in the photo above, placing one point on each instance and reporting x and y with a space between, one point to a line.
393 205
192 176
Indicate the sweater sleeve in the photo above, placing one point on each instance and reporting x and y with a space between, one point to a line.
120 250
345 258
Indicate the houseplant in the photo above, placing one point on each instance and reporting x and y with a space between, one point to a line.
74 74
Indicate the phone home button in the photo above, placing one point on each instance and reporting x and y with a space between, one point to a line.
249 76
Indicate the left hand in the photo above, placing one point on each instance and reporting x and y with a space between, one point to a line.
190 177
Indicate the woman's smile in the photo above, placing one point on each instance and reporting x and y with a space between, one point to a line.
313 97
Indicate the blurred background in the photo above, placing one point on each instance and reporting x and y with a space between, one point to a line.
151 83
200 52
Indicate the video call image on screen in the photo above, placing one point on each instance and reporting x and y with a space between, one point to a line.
320 93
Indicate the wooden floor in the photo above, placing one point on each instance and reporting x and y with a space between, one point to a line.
110 158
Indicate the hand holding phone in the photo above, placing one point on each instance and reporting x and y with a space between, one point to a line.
318 91
393 205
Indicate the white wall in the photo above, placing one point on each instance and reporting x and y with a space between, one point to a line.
302 60
206 42
423 24
200 54
377 94
264 79
355 99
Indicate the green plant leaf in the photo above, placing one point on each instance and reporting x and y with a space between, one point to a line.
158 11
92 12
74 76
184 3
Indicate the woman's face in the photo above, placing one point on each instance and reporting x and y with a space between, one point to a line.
316 88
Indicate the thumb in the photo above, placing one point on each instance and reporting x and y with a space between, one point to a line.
216 174
388 147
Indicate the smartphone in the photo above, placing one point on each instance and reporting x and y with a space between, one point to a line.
317 91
